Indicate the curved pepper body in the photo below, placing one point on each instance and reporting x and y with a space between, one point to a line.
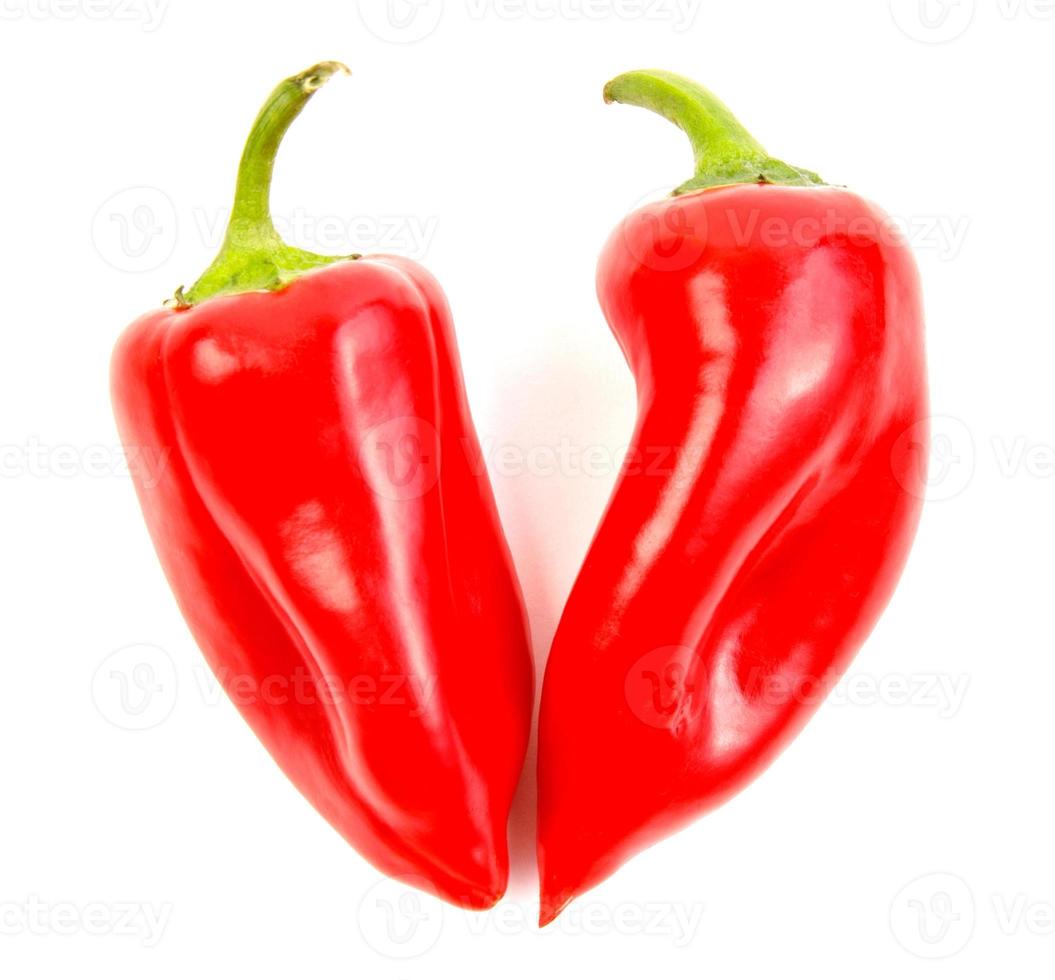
335 548
761 520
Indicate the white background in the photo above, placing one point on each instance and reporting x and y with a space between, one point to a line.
908 831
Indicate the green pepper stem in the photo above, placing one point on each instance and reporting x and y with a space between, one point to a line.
724 152
253 255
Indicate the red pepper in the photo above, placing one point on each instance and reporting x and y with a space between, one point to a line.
774 329
328 539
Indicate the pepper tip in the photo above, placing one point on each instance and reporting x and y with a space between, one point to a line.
551 907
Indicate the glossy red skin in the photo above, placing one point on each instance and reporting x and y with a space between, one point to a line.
731 581
292 555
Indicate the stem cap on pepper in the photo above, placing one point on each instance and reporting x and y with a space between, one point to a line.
724 151
253 255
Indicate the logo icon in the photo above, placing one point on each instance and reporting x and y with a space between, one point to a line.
400 458
134 688
932 21
398 921
666 235
933 916
660 687
936 468
135 229
400 21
